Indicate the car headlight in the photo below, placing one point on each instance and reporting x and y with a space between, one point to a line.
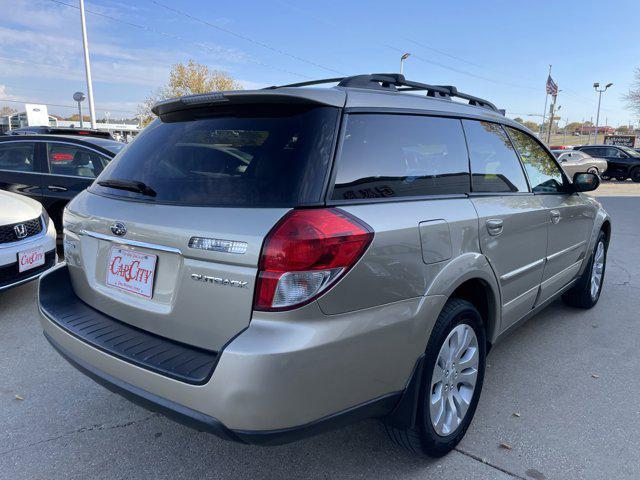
45 218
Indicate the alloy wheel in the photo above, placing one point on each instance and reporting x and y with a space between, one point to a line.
597 270
453 380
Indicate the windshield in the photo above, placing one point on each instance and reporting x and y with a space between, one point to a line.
630 151
110 145
276 158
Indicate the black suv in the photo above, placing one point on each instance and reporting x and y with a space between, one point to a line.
624 162
53 168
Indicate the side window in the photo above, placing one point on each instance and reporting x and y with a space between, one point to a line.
74 160
544 174
495 166
596 151
401 156
612 152
18 156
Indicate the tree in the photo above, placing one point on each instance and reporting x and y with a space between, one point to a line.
632 97
76 118
533 126
573 127
187 79
6 111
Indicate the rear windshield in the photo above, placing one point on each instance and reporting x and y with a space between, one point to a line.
277 158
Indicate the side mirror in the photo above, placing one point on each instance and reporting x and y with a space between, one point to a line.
586 182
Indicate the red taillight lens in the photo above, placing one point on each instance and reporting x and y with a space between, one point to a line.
306 252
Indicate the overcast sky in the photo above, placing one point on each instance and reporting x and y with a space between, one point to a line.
499 50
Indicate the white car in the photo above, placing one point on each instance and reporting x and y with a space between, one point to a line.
27 240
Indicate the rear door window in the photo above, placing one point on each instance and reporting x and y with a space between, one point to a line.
74 160
495 166
251 157
596 151
17 156
544 173
390 156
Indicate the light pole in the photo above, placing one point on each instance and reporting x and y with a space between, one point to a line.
87 66
79 97
402 59
596 87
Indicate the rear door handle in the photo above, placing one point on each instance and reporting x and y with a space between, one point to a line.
555 216
494 227
55 188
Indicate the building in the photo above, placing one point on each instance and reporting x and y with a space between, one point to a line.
38 115
589 129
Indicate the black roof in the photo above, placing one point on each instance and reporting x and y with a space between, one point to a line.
83 132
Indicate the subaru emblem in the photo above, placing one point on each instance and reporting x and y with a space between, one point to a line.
119 229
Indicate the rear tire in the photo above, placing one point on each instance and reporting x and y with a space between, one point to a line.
594 170
586 292
635 175
445 413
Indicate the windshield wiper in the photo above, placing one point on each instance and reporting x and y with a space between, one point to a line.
130 185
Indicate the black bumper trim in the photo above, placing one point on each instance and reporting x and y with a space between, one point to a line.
377 408
60 304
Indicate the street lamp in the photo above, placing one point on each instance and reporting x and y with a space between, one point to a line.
596 87
402 59
79 97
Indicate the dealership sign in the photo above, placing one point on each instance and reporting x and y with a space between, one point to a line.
620 140
37 115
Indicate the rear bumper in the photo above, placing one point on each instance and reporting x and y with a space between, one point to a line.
281 379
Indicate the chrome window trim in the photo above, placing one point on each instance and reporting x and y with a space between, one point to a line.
39 236
133 243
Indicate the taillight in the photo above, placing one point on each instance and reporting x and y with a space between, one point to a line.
305 253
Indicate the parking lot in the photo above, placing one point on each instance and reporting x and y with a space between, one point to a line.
560 396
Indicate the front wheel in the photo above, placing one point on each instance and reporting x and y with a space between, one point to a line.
451 382
635 175
586 292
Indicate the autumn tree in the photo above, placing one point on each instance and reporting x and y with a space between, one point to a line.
188 79
632 97
6 111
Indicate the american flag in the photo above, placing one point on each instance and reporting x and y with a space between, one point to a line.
552 87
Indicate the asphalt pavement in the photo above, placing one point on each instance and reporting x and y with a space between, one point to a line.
561 393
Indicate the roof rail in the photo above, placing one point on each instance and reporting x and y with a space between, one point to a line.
396 82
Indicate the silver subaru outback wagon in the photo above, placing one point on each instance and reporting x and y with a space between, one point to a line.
265 265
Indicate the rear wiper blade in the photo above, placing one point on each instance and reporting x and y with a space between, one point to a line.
130 185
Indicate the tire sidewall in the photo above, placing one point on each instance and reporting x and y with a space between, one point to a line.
466 313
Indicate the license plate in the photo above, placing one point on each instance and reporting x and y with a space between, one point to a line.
32 258
131 271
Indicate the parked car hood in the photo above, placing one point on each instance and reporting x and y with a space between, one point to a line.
16 208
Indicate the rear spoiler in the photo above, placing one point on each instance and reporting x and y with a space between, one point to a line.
327 97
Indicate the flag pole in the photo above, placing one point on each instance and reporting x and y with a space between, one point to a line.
544 112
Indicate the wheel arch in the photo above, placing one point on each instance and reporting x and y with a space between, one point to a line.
470 277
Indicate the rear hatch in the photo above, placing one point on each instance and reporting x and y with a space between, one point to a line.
168 238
